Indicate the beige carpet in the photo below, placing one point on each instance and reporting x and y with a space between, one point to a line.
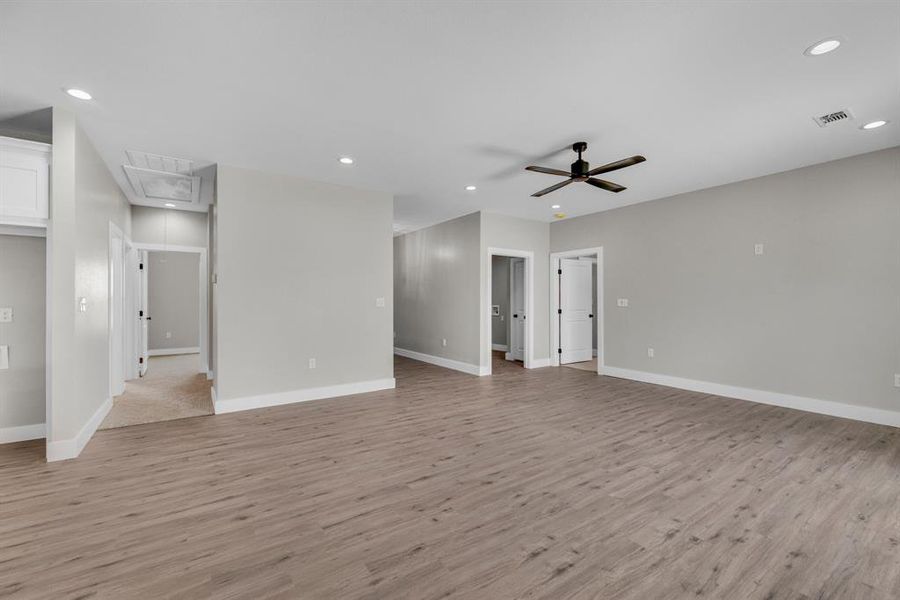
588 365
171 389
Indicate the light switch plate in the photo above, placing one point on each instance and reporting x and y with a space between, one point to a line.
650 352
758 249
897 380
6 315
623 302
379 302
4 357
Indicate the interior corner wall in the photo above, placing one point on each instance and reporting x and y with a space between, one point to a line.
84 200
300 266
816 315
512 233
437 278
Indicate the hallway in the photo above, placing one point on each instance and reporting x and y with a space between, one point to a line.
173 388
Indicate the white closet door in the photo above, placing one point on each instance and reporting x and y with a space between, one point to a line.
575 320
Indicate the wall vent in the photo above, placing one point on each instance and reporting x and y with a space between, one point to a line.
832 118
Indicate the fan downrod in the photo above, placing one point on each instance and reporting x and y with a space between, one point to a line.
580 167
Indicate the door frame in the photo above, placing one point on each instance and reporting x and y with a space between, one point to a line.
487 347
204 293
554 302
116 330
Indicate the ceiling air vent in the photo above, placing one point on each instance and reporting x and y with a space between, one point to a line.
157 177
832 118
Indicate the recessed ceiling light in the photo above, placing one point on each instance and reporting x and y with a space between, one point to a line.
471 188
555 206
345 160
80 94
169 205
874 124
823 47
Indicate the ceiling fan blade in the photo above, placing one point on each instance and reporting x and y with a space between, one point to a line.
548 171
552 188
619 164
609 186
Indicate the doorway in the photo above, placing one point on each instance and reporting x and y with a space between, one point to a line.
577 308
507 306
158 333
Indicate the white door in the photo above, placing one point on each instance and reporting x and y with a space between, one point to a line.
575 320
116 325
517 306
143 311
132 313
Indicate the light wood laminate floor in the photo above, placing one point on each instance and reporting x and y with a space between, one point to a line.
549 483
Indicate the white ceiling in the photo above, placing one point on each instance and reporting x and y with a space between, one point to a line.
431 97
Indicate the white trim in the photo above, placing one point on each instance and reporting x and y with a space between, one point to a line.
814 405
508 356
440 361
71 448
539 363
204 288
209 375
22 433
528 255
304 395
499 347
173 351
25 230
554 303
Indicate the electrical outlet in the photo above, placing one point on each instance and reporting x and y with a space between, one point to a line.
6 315
758 249
312 363
650 352
622 302
444 342
168 335
896 379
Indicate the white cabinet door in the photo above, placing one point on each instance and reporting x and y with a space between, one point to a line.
24 181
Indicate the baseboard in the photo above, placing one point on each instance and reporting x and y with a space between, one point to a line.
499 347
814 405
539 363
209 375
440 361
508 356
304 395
71 448
22 433
172 351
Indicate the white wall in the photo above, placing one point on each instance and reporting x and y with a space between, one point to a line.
162 226
22 288
437 279
174 300
300 265
84 200
815 316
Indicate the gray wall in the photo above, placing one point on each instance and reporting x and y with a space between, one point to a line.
22 287
174 300
83 202
511 233
816 315
500 295
436 289
176 227
300 265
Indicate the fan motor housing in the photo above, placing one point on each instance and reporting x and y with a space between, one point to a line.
580 168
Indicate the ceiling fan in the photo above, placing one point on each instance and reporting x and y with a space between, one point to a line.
581 171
